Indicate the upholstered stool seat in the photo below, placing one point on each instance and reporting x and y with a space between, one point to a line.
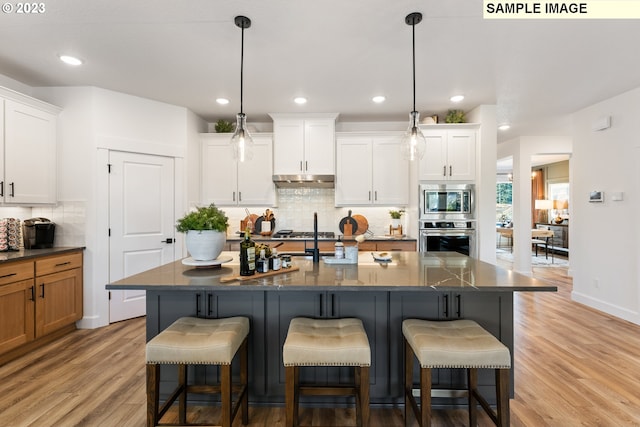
196 341
455 344
326 342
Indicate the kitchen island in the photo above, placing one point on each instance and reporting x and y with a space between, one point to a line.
442 285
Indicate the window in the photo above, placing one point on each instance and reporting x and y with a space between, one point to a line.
504 203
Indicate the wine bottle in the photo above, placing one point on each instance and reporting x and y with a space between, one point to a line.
247 255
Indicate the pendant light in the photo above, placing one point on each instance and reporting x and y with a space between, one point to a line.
413 143
241 141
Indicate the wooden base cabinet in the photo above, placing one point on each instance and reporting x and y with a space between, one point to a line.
39 301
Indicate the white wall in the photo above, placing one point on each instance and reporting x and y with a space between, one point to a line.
604 236
93 122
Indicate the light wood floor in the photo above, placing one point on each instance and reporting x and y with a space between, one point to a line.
574 367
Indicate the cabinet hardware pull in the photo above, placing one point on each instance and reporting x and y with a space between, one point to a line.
444 170
63 263
33 293
369 195
168 240
450 170
306 165
458 306
333 305
300 165
197 305
239 196
13 190
446 305
321 305
209 311
375 193
42 289
234 196
7 275
1 188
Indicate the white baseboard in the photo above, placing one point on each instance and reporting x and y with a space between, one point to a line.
92 322
614 310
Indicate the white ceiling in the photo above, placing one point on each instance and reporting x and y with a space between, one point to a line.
337 53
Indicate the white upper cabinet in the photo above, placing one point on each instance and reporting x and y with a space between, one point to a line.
28 150
227 182
371 170
450 155
304 144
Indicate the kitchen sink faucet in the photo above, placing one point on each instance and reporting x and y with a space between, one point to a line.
315 252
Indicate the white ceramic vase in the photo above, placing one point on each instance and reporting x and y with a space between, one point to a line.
395 222
205 245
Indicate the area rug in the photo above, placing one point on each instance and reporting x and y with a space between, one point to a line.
537 261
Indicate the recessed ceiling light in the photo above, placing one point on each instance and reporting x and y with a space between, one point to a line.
300 100
222 101
378 99
70 60
456 98
504 127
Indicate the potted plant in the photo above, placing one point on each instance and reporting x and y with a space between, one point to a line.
395 217
224 126
455 116
206 232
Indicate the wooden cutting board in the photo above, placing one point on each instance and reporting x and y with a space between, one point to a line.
226 279
363 224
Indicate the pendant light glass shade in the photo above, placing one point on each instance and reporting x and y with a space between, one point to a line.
241 141
413 143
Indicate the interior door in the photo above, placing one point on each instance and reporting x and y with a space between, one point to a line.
141 217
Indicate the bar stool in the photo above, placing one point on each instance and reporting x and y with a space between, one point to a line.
326 342
455 344
195 341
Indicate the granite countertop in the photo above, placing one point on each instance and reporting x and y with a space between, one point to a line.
24 254
406 271
259 238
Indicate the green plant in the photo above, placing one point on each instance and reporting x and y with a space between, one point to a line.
396 214
454 116
204 218
224 126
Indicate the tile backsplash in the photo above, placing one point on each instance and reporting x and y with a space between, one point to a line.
69 218
295 208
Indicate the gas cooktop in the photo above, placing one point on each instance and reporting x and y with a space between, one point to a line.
306 235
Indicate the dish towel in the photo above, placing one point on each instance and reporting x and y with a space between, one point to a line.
10 234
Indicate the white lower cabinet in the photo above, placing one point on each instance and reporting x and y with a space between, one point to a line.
371 170
27 150
227 182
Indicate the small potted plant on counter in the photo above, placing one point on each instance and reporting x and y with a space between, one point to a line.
395 217
206 232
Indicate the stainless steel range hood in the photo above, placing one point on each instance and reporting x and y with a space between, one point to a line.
308 181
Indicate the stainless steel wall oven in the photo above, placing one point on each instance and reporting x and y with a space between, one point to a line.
449 236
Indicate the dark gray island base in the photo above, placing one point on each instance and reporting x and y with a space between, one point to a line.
439 286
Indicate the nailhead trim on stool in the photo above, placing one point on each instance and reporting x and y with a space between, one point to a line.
326 342
455 344
195 341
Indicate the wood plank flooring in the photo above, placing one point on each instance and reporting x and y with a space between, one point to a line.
574 367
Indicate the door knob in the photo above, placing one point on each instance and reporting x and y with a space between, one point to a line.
168 241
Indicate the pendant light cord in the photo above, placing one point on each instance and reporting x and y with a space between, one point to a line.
242 68
413 30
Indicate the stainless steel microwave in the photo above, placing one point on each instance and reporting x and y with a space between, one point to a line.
447 201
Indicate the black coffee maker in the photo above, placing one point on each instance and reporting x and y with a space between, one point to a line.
38 233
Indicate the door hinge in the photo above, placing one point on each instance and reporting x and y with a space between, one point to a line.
109 167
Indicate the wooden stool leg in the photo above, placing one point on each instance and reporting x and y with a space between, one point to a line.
408 380
502 396
425 397
290 394
153 395
472 384
363 393
225 391
358 396
182 401
244 380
